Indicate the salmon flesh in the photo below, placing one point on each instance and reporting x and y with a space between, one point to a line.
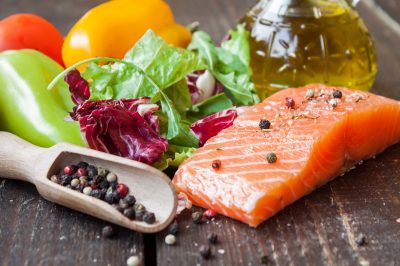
315 139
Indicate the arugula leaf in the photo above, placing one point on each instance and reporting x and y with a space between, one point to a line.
229 64
239 44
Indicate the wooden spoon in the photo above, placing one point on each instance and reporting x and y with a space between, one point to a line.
152 188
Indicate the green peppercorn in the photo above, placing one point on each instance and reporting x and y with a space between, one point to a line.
264 124
101 171
271 157
139 207
149 218
197 217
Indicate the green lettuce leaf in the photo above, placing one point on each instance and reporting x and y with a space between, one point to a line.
174 157
209 106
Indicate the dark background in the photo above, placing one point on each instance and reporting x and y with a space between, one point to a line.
320 229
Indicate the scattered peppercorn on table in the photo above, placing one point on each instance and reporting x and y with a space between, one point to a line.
354 220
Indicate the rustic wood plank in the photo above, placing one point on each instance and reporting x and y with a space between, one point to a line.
321 228
392 7
36 232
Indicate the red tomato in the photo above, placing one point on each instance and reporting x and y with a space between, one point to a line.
28 31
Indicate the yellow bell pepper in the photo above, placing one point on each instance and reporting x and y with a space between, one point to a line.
112 28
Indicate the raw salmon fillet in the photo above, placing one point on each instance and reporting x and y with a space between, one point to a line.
314 142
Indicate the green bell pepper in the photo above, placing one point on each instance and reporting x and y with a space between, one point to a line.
27 108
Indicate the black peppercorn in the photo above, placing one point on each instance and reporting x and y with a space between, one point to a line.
173 228
97 179
123 204
360 240
109 198
82 164
197 217
264 124
271 157
265 260
107 231
205 251
129 213
104 184
139 214
337 94
149 217
212 238
115 196
130 199
98 194
66 180
91 171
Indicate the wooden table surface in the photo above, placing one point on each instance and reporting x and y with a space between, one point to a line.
319 229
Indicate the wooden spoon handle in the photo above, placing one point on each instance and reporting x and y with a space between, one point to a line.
17 157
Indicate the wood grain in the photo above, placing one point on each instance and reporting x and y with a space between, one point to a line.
320 229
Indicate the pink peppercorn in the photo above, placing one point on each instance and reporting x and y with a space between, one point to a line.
208 214
69 170
122 190
81 172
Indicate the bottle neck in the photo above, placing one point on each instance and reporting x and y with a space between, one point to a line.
300 8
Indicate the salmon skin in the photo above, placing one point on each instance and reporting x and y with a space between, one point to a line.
317 140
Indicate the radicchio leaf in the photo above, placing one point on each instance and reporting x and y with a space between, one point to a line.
195 91
78 86
116 127
210 126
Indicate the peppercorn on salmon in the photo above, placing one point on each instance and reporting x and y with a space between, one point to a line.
316 134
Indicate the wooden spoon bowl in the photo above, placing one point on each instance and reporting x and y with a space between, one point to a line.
152 188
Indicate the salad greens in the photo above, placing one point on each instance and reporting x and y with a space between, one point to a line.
155 69
230 63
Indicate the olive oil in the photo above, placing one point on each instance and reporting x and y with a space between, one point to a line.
295 43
